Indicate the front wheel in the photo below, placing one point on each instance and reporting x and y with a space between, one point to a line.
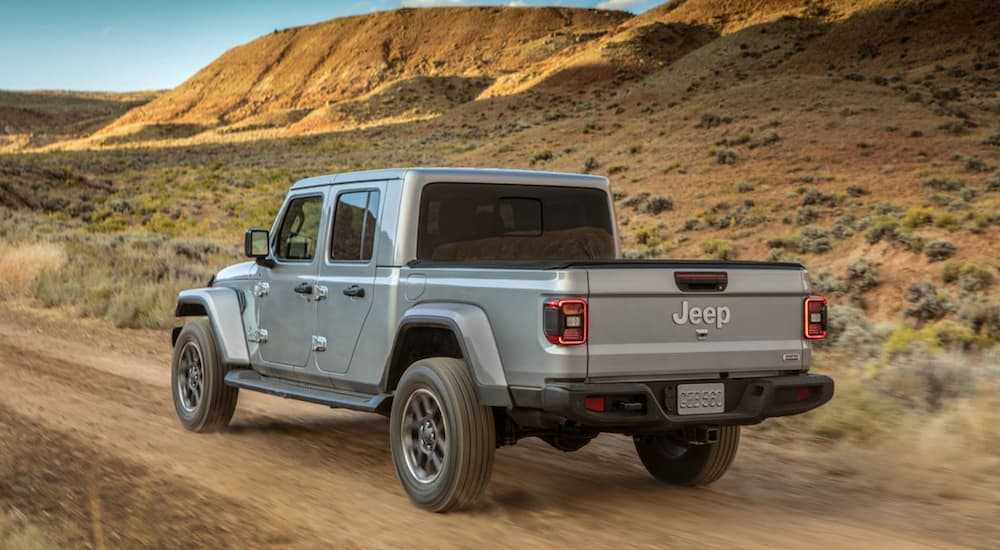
203 401
673 460
442 439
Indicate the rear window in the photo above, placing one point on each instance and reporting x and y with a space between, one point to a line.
471 221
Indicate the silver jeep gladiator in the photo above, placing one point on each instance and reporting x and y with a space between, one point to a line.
478 307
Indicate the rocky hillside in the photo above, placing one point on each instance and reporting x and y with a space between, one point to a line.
295 71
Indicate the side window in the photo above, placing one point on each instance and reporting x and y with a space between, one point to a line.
300 229
354 226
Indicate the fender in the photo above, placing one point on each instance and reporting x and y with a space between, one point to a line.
224 310
475 336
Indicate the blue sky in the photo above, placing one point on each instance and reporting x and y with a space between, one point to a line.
118 45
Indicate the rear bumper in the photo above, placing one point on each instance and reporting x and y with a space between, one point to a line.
748 401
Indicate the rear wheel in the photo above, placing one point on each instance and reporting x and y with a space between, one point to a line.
673 460
203 401
442 439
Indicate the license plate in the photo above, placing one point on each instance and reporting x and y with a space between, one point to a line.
701 398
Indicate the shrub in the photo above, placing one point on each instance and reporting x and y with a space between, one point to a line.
721 249
826 283
927 303
131 279
541 156
982 317
913 243
805 215
882 228
659 203
636 201
195 250
842 228
815 196
939 250
23 263
993 140
976 164
929 379
711 120
948 334
690 224
644 253
862 275
943 184
813 240
590 165
646 236
852 332
726 156
744 187
974 282
993 184
946 221
886 209
969 276
856 191
917 217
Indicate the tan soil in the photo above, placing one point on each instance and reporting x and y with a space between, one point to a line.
87 425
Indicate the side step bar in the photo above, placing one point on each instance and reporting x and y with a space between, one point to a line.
253 380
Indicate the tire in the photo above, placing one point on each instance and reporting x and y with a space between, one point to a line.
443 441
673 461
207 403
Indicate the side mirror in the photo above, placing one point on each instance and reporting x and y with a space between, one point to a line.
257 244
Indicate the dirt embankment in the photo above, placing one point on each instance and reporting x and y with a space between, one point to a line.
317 65
91 453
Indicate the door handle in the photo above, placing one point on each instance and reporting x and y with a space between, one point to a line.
354 291
304 288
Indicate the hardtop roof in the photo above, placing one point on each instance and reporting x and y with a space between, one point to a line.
477 175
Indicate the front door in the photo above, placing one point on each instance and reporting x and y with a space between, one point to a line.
348 274
288 307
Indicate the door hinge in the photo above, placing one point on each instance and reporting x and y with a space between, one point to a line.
258 335
319 343
261 289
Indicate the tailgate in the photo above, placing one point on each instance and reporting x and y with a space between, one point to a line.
657 322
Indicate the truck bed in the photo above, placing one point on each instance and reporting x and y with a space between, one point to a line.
652 319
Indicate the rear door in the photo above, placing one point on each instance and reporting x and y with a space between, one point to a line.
656 322
347 275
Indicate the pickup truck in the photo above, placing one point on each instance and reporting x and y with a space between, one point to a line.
478 307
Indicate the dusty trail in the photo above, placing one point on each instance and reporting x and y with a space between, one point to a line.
85 416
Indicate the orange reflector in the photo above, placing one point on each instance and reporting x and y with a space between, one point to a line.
595 404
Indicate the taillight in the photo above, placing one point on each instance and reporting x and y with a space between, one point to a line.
815 317
565 321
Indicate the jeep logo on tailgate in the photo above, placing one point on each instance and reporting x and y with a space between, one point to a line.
717 316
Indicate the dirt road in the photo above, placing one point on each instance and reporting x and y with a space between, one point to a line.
90 447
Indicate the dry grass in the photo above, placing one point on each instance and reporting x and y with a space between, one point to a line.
16 534
21 264
875 436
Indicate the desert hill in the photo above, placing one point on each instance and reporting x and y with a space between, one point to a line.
296 70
